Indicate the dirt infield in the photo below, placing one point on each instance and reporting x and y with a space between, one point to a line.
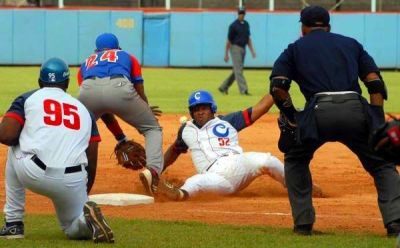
350 202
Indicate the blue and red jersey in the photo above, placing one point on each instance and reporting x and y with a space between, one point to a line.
109 63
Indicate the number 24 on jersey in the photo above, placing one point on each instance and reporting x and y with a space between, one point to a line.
109 56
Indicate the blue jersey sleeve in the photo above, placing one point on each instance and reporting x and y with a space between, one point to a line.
17 110
240 119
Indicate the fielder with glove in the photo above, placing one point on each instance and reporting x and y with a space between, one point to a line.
112 84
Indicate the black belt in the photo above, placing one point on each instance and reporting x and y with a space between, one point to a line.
68 170
338 98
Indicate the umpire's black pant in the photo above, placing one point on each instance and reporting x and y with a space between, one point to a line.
345 122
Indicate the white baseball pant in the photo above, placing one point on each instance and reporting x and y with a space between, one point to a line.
67 191
232 173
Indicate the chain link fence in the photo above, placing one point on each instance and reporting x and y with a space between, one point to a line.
279 5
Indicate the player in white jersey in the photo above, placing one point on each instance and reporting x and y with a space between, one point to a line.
222 166
52 141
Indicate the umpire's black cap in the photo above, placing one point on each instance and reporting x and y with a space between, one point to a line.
241 10
315 16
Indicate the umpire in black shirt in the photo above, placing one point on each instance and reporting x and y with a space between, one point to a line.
238 38
326 66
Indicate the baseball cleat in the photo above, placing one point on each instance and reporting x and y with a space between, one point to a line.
172 192
393 228
304 230
101 231
12 232
149 179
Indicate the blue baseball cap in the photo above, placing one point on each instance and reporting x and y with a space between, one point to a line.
54 71
107 41
315 16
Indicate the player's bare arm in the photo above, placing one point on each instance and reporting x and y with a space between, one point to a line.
251 47
227 47
170 156
262 107
91 153
140 90
10 130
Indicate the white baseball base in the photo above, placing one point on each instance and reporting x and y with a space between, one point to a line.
121 199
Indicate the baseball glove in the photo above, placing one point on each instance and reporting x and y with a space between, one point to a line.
386 141
130 155
287 137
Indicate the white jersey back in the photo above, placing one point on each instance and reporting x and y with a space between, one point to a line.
215 139
57 128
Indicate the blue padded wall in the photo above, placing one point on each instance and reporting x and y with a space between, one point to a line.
6 41
90 25
381 38
28 36
213 39
186 42
156 40
282 29
62 35
195 38
128 27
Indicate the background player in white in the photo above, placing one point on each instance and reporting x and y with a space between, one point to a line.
221 164
53 152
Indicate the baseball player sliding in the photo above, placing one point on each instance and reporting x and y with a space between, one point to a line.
222 166
53 152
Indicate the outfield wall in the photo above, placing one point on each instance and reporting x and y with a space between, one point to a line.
195 39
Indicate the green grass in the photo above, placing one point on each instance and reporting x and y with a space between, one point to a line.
170 87
43 231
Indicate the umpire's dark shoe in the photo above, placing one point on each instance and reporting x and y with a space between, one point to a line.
12 231
224 92
101 231
246 93
305 230
393 228
149 179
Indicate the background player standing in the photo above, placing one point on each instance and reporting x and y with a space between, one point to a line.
53 141
221 164
112 83
326 66
238 38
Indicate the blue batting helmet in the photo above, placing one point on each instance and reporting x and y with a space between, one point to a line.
54 70
107 41
202 97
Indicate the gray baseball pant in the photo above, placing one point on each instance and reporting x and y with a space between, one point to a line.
118 96
238 54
